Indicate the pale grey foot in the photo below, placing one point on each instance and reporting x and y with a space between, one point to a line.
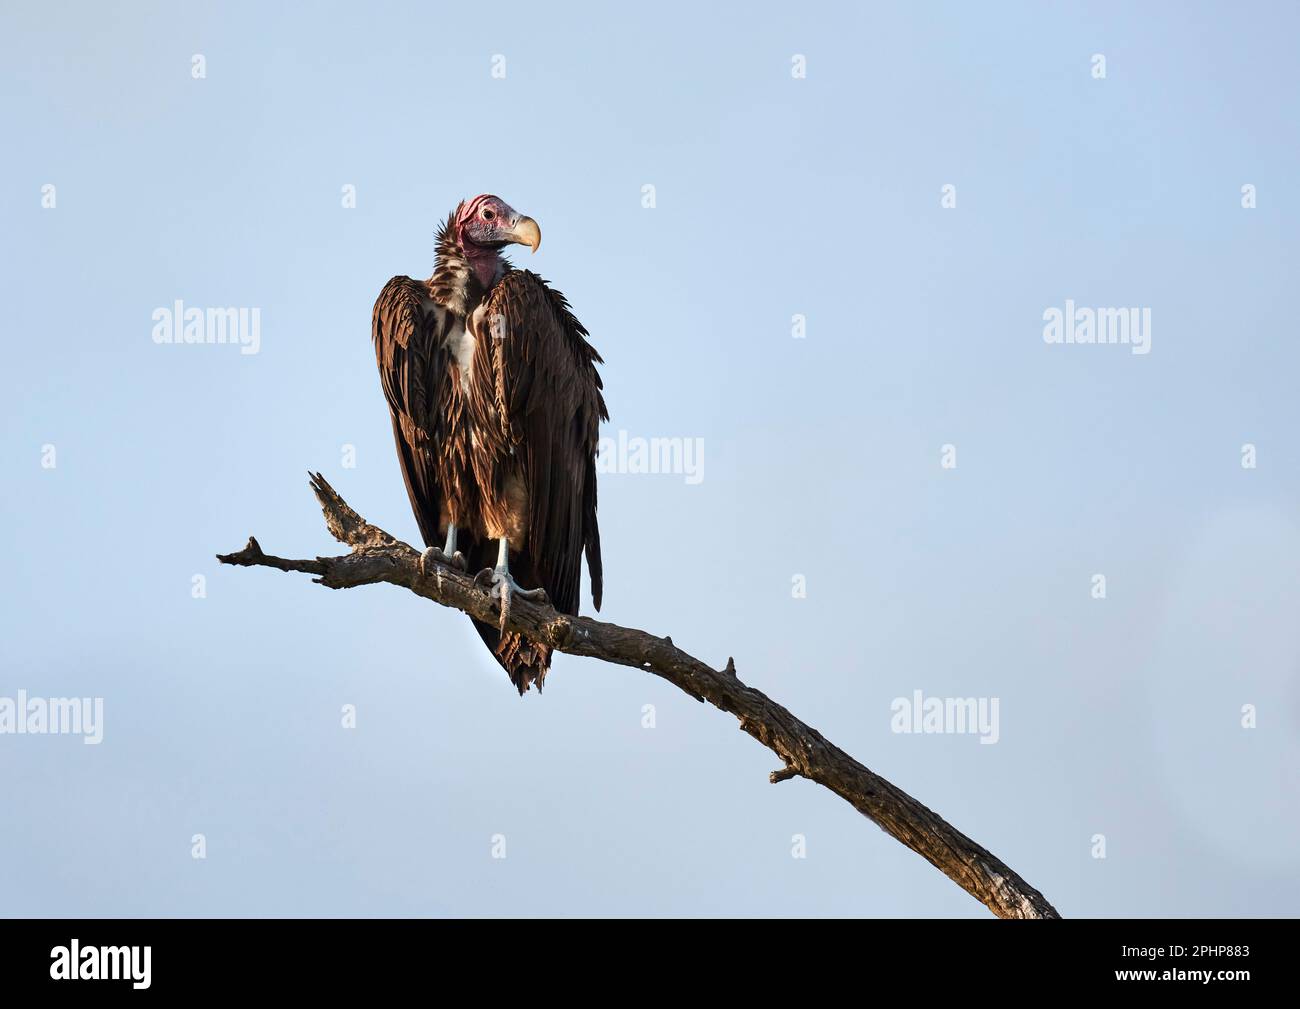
503 585
447 555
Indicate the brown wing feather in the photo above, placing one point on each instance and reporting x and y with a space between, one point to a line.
548 405
412 363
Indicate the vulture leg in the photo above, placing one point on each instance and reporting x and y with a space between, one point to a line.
504 587
447 555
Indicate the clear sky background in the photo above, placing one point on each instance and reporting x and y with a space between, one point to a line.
775 196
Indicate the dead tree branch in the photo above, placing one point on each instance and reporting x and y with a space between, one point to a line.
378 557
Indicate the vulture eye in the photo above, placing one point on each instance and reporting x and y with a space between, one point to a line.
488 214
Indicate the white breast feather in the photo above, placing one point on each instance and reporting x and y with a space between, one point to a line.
461 343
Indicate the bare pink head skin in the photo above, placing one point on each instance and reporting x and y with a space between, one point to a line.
487 224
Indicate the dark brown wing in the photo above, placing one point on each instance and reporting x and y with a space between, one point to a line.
549 406
408 334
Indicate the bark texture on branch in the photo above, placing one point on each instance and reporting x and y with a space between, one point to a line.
378 557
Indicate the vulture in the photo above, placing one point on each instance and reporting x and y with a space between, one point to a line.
496 407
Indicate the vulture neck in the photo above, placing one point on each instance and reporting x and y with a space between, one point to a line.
463 275
486 264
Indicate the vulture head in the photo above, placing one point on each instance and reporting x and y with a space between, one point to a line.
489 223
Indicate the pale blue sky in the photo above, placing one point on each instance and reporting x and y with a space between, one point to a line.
775 196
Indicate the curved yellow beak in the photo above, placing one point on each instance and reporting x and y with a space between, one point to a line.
526 232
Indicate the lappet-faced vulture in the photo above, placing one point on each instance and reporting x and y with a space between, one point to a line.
496 406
